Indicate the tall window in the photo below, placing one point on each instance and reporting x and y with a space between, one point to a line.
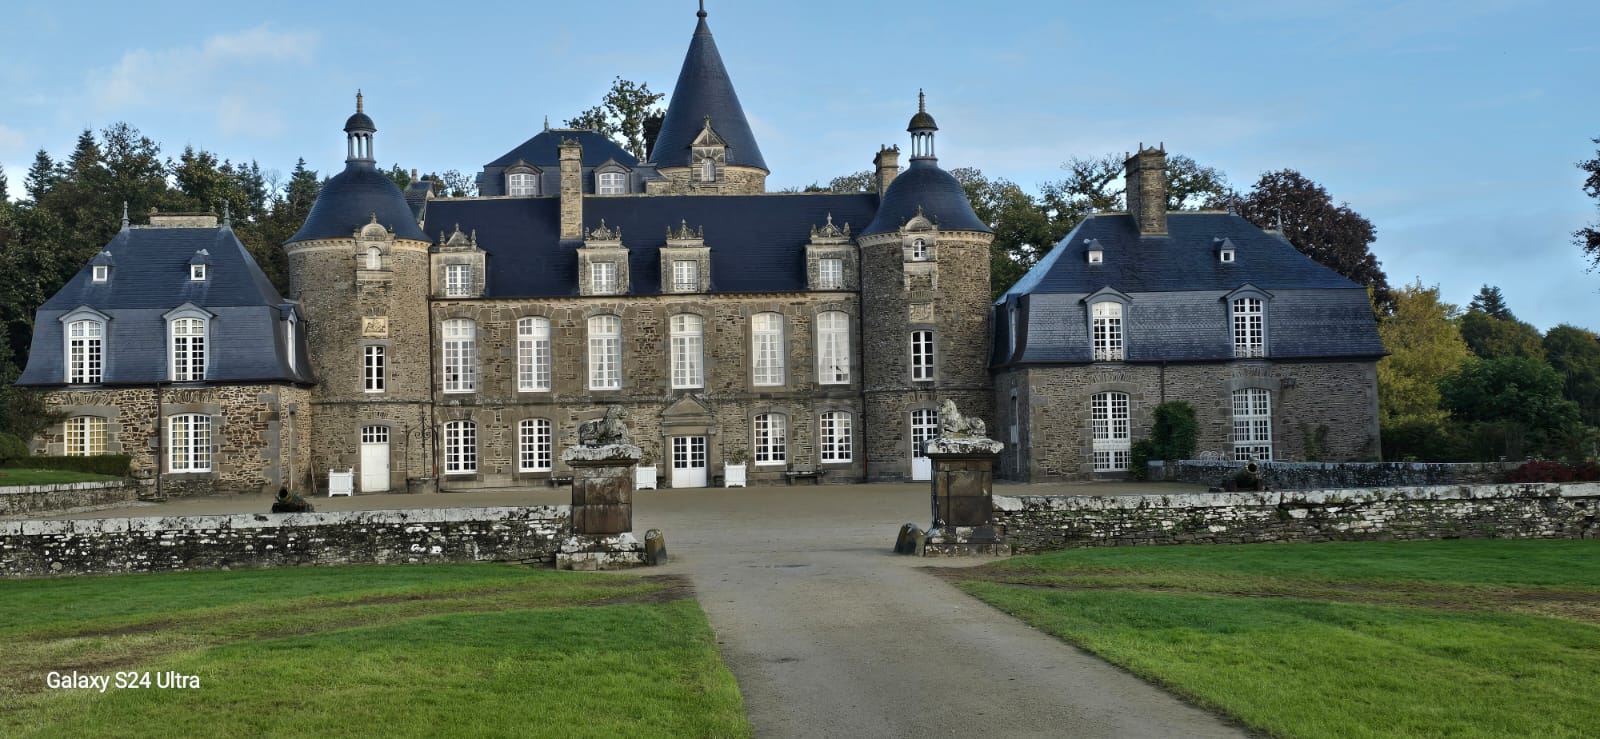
1252 424
1011 327
708 170
836 443
374 370
603 278
830 273
374 258
612 183
534 445
1107 331
922 355
533 355
522 183
288 342
1109 412
919 250
460 356
86 435
1249 336
688 352
833 348
188 350
189 443
605 353
460 448
766 348
458 280
924 426
84 351
685 276
770 441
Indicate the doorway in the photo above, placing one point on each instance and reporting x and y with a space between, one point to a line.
375 459
688 461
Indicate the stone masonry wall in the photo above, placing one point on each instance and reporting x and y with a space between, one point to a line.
1306 396
1526 511
730 181
34 500
1334 475
424 536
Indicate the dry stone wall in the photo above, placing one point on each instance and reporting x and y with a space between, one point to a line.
1334 475
35 500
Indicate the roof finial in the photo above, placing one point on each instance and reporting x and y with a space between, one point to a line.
546 121
358 100
702 12
124 214
922 101
227 213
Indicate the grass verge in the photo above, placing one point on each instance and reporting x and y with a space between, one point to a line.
1451 638
397 651
10 478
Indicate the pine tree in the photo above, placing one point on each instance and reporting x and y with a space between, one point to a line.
42 176
1490 301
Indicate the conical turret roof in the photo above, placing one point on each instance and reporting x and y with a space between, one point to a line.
704 89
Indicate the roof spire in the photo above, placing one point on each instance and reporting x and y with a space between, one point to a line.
358 100
124 214
922 101
546 121
702 12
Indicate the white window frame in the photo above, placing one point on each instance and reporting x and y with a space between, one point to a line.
830 273
533 355
374 258
685 275
1110 418
1249 319
1106 320
289 341
197 273
535 445
687 332
611 183
460 350
924 426
101 273
189 443
769 440
835 437
458 280
1252 424
1011 329
603 278
85 436
85 352
708 169
833 348
766 349
375 368
922 356
605 353
520 184
460 448
919 250
186 348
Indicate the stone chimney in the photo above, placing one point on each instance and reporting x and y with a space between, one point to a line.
888 164
1147 190
571 189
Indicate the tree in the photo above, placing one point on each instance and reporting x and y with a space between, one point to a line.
1334 235
1588 237
865 180
1023 231
1490 301
1193 187
452 184
1518 400
1425 346
1575 353
42 176
1493 338
627 114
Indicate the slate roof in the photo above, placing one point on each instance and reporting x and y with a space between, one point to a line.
543 150
151 278
923 184
703 89
1177 291
349 199
757 241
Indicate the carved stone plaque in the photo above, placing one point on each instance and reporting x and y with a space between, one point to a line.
375 327
921 313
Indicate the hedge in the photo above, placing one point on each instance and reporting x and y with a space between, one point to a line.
115 465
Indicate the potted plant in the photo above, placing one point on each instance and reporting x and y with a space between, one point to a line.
644 473
733 471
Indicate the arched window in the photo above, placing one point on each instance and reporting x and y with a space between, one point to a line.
460 356
189 443
86 435
770 440
85 352
766 348
534 445
374 258
708 170
833 348
533 355
605 353
1249 327
460 448
834 437
1107 331
688 351
1109 413
522 183
188 343
924 426
919 250
611 183
1252 424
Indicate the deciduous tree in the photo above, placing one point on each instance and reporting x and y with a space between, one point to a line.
1334 235
629 113
1588 237
1575 353
1493 338
1425 346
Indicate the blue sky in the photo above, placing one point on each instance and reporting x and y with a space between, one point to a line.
1453 126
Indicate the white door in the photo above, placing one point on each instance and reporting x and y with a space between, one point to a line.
688 461
375 459
924 426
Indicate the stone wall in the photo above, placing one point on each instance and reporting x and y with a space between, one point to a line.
1526 511
731 180
423 536
255 441
1335 475
35 500
1334 400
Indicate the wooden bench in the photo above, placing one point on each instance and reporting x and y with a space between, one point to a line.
805 472
559 480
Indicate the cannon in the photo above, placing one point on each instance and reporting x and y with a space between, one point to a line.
288 502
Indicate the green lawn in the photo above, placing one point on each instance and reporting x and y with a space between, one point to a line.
1477 638
10 477
449 650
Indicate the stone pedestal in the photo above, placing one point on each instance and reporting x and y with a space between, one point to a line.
963 500
602 509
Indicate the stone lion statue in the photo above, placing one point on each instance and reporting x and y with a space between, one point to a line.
954 425
605 431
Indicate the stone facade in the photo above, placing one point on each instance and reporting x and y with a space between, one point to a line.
1527 511
734 180
1330 408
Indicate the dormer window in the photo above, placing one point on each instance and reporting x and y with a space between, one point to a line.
830 273
919 250
458 281
197 272
603 278
685 276
708 170
611 183
1097 254
374 258
522 183
101 273
1225 251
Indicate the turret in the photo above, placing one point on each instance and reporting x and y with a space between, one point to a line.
706 144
